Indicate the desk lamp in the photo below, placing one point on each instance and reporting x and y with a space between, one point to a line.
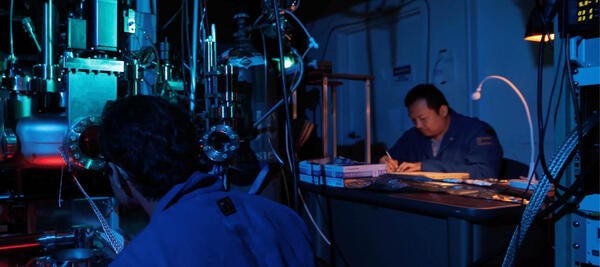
477 95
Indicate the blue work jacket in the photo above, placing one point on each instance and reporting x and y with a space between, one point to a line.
470 145
203 225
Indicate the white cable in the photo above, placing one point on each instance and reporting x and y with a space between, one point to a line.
193 64
112 240
10 25
300 74
60 186
311 40
312 219
293 88
275 151
477 95
287 147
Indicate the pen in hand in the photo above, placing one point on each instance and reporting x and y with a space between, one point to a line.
388 154
391 163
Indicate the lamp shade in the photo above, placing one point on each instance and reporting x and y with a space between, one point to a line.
538 26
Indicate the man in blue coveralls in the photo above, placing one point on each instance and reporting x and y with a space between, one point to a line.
152 150
443 140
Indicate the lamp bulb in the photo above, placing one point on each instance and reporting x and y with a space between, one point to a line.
476 95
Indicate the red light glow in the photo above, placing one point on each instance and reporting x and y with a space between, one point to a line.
47 161
30 245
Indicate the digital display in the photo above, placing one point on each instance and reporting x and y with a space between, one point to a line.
585 11
580 17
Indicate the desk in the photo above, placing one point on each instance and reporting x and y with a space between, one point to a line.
411 229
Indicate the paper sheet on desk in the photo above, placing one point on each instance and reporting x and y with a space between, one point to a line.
436 175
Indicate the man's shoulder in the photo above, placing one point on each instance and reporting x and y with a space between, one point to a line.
471 126
412 133
464 120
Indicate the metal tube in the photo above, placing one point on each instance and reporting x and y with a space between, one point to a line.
334 120
325 114
48 47
368 119
229 93
194 56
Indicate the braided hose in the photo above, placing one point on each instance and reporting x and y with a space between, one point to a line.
539 194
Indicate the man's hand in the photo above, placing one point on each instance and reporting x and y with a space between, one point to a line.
409 167
120 188
391 164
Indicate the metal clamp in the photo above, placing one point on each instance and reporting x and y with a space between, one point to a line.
220 143
72 153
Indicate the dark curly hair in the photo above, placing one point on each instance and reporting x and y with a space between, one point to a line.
434 97
153 140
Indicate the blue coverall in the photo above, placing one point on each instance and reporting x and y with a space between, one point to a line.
200 225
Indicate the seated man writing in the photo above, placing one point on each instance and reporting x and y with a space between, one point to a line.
443 140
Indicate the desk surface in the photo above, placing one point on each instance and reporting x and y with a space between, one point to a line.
429 203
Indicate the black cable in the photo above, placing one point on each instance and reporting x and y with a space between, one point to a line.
332 29
573 189
334 246
568 202
563 198
574 98
428 44
578 119
288 118
541 132
164 27
321 195
556 180
286 189
560 93
595 217
542 128
539 108
553 90
542 124
568 207
490 259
